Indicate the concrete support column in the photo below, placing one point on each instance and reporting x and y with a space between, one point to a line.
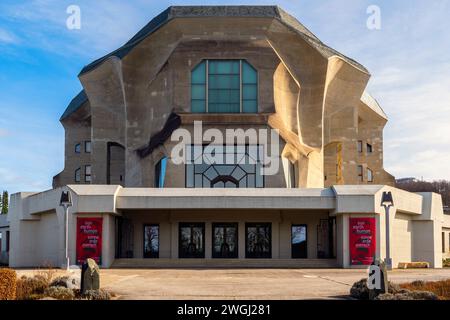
174 237
208 240
275 240
241 239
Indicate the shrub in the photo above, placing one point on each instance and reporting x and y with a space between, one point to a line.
96 295
59 293
8 279
446 263
66 282
408 295
440 288
31 288
47 272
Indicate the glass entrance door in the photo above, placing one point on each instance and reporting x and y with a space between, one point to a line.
191 240
151 241
225 240
299 242
258 240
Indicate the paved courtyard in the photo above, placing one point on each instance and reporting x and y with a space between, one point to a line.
229 284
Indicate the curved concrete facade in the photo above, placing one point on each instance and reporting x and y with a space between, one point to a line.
331 154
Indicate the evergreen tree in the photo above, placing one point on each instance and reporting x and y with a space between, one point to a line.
1 202
5 199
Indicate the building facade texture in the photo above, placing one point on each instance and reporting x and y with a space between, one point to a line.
244 68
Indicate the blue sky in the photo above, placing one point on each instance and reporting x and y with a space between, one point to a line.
409 59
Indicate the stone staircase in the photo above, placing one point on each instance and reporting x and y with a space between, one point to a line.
225 263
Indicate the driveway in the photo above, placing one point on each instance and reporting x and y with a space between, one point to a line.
246 284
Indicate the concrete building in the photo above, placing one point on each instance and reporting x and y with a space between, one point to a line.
241 68
4 239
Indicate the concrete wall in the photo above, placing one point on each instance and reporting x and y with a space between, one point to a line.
313 99
402 239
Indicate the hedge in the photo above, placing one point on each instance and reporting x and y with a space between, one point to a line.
8 280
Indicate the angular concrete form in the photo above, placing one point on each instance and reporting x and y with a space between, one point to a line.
245 68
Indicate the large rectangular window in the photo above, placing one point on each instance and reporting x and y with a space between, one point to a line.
151 241
225 240
191 240
224 86
258 240
211 166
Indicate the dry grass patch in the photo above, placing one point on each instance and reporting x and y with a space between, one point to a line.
439 288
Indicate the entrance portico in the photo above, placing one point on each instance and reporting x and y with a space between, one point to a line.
145 227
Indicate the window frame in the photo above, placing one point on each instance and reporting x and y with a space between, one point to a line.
370 176
267 255
8 238
235 146
235 253
360 172
241 85
192 225
86 143
360 146
160 172
86 175
154 255
77 173
306 240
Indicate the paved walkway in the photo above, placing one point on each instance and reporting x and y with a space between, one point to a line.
249 284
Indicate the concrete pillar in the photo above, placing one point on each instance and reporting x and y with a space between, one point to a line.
241 239
208 240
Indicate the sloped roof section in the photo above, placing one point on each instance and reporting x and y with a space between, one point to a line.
75 104
373 104
174 12
221 11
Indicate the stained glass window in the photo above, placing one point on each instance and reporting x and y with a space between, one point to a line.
224 166
224 86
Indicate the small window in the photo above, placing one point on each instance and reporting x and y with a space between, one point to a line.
78 148
88 173
360 173
87 147
160 173
293 175
443 242
7 241
369 175
369 148
360 146
78 175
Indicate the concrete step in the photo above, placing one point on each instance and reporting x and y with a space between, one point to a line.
226 263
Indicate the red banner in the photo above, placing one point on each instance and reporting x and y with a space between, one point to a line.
89 239
362 241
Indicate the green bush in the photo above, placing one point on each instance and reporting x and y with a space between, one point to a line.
8 279
97 295
59 293
31 288
446 263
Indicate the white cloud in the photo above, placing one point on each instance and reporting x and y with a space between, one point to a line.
7 37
